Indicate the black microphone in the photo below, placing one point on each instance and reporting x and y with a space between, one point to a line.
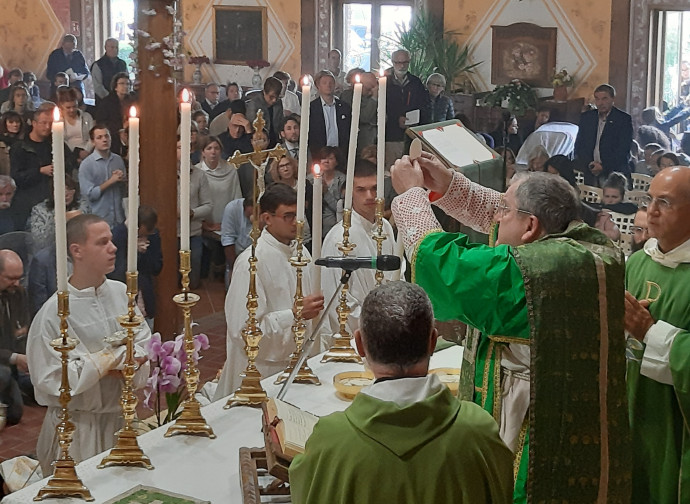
382 262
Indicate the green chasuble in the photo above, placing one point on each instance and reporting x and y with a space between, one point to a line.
435 451
660 412
562 295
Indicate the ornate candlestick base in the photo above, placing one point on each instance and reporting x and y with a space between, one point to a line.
342 350
190 420
64 482
126 450
305 374
378 236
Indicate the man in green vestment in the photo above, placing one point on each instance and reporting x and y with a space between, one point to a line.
405 438
657 318
549 363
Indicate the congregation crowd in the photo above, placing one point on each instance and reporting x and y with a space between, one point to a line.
606 155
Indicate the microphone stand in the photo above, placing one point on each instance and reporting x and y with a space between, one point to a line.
505 148
306 347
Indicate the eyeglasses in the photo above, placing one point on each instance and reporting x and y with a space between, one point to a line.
404 62
638 229
502 209
662 203
287 217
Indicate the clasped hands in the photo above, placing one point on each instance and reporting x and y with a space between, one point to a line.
426 171
637 320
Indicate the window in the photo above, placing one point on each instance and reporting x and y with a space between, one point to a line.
361 26
670 58
121 17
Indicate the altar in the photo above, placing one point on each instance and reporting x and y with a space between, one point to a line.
208 469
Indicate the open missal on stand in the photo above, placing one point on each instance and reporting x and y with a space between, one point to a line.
288 427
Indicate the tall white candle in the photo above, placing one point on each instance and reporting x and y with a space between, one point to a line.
352 151
317 225
381 141
400 252
303 139
58 129
185 170
133 195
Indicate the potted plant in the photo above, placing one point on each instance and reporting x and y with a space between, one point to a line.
561 81
516 96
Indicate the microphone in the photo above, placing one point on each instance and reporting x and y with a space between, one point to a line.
382 262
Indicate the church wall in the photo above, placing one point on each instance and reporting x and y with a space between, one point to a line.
30 30
583 43
284 38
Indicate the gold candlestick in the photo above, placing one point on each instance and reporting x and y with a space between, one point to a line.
64 482
379 237
342 350
305 374
190 420
127 451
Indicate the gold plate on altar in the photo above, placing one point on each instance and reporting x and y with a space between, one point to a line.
347 385
450 377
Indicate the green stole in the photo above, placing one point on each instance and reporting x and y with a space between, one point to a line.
576 434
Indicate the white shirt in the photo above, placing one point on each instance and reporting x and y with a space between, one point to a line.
291 102
329 116
276 281
95 405
362 280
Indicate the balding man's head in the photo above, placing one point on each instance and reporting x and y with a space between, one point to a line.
668 207
11 270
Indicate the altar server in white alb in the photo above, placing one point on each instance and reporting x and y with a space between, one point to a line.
276 280
363 226
95 364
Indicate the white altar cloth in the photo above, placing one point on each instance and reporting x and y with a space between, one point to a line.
204 468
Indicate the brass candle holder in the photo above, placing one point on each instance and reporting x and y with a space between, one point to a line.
305 374
379 236
190 420
250 392
342 350
64 482
127 451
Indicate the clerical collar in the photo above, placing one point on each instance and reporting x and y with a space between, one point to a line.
670 259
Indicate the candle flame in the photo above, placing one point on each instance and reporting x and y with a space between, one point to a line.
56 114
317 170
185 95
357 79
381 72
132 111
305 80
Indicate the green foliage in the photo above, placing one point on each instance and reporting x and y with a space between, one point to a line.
431 49
521 97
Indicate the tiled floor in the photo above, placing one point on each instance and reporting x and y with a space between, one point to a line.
21 439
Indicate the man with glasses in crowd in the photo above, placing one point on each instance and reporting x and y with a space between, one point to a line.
657 319
549 363
407 104
639 230
275 287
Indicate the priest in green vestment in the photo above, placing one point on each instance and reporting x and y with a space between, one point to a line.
547 356
404 439
657 318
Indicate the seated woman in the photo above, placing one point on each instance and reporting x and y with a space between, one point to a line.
514 142
41 222
12 128
77 124
666 160
537 159
614 194
19 102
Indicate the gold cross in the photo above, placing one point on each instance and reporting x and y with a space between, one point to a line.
259 156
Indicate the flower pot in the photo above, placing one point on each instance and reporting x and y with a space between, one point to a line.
197 76
257 81
560 93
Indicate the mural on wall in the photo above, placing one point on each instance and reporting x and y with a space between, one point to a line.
239 34
523 51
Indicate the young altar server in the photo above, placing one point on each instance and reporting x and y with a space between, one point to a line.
275 287
95 365
405 438
363 226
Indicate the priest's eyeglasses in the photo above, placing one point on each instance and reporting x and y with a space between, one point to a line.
662 204
287 217
502 209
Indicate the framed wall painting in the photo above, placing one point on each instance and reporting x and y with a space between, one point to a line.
523 51
239 34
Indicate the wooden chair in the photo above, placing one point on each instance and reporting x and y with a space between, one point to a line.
641 181
636 196
623 221
590 194
579 177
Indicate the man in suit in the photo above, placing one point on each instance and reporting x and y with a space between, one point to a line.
329 117
211 103
268 100
603 141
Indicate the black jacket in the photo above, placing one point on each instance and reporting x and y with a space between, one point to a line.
317 125
402 99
